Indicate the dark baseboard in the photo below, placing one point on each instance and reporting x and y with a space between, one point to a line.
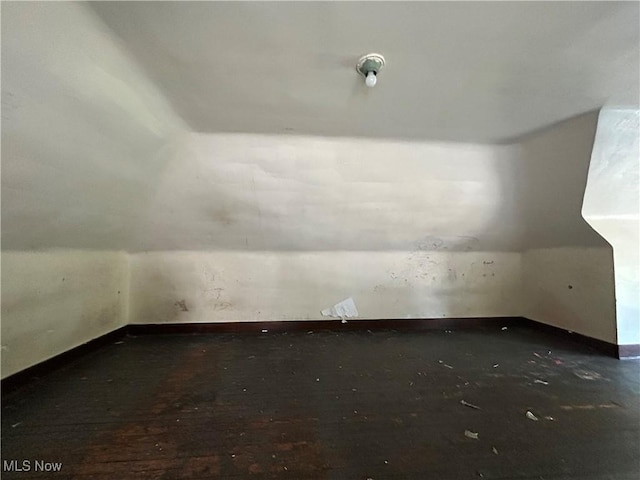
610 349
413 324
629 351
28 375
320 325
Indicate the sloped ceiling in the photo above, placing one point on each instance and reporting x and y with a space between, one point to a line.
120 141
465 72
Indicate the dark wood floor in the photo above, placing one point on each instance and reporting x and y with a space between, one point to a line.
328 405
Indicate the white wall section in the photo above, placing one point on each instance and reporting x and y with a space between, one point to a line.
552 179
223 286
571 288
567 266
83 131
295 193
612 207
54 301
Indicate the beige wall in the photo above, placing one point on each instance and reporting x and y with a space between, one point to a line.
300 193
562 249
83 131
236 286
54 301
571 288
81 128
612 207
552 179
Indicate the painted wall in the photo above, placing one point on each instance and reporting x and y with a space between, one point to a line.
83 131
281 227
567 267
54 301
552 179
612 207
296 193
237 286
571 288
82 128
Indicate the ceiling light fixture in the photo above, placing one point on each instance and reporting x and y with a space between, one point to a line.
369 66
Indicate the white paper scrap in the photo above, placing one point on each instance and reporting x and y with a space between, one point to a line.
344 309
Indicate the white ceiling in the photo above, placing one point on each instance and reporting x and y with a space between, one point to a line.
456 71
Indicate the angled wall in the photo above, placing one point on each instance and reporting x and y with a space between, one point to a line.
83 131
54 301
567 271
612 207
81 125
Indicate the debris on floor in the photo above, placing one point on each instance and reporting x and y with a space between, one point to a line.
494 450
587 375
589 407
444 364
470 405
503 328
470 434
540 381
264 330
531 416
549 418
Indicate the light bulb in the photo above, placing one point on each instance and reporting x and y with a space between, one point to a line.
371 79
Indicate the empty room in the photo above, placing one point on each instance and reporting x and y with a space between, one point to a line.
320 240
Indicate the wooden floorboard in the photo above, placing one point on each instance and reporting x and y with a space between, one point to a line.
332 405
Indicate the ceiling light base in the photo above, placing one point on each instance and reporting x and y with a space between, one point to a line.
372 62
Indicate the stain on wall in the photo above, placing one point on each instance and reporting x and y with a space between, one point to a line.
248 286
54 301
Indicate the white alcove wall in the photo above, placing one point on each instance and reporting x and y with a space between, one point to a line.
567 266
612 207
